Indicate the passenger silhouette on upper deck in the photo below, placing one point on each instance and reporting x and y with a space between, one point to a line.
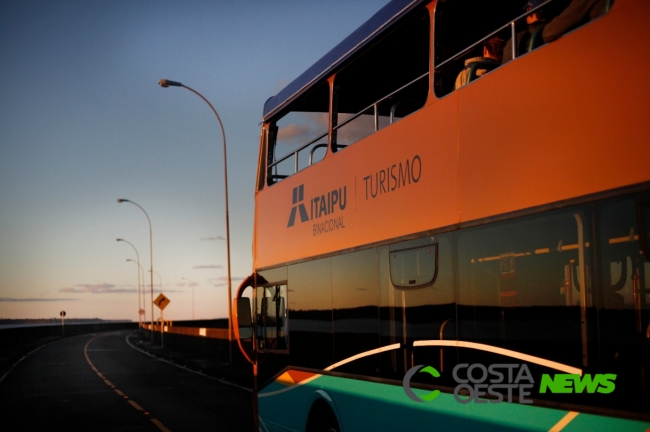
536 20
577 13
478 66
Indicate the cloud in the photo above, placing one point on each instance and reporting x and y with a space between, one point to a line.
223 280
357 129
294 132
300 128
97 289
6 299
156 289
213 238
207 267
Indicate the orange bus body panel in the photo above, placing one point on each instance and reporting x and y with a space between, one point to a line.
567 120
428 135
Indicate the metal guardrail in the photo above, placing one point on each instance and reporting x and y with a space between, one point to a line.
208 332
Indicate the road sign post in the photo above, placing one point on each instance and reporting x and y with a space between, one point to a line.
62 318
162 302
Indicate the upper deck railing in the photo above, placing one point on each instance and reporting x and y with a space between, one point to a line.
295 155
449 65
513 36
375 112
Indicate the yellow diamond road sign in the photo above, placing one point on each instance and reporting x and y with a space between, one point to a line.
161 301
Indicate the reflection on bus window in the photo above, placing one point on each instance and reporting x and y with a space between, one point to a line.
623 258
271 307
525 285
299 137
643 219
355 293
310 313
624 317
520 285
419 314
387 82
414 264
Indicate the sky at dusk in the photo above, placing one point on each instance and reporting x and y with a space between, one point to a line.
83 122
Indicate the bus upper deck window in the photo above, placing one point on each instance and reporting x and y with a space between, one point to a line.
386 82
298 136
461 24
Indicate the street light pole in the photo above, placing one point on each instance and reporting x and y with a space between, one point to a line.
139 268
162 316
160 281
139 305
167 83
121 200
192 285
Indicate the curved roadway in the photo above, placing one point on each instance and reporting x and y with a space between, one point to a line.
98 382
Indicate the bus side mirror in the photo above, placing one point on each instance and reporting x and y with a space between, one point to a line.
244 327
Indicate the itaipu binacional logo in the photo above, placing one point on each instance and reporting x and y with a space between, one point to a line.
406 383
297 199
324 211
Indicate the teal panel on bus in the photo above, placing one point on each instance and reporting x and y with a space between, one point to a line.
595 423
363 405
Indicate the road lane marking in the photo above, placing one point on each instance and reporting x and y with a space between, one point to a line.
160 425
187 369
133 404
565 421
2 378
136 406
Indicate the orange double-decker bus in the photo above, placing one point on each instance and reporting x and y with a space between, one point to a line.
472 257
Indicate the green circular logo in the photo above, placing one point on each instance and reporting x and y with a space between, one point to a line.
406 383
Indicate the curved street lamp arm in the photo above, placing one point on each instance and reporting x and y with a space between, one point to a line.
121 200
168 83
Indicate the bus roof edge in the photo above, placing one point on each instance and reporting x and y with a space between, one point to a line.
324 66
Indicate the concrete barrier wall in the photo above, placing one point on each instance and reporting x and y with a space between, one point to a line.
212 323
35 332
207 341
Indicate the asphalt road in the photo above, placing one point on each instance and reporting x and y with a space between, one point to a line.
98 382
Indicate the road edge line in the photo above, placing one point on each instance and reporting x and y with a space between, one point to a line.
183 367
23 358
